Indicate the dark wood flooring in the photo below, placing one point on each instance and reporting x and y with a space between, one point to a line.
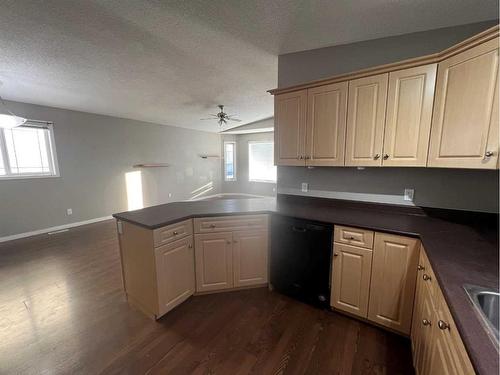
62 311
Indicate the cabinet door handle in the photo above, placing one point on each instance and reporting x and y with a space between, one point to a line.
228 242
175 233
190 246
335 254
426 277
420 267
426 322
489 154
443 325
386 156
376 157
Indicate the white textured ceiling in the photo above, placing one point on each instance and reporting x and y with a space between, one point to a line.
172 62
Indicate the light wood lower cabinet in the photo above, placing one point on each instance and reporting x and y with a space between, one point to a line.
214 261
351 279
393 281
174 273
157 279
231 259
436 344
250 250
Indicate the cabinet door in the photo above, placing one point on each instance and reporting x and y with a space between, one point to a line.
174 273
351 273
326 123
214 261
465 120
421 335
409 113
365 120
289 127
392 286
250 249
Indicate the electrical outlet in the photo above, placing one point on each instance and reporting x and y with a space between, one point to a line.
170 195
305 187
409 193
69 211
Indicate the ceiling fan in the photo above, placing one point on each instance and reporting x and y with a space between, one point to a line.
222 117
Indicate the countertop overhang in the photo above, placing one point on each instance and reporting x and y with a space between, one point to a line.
462 247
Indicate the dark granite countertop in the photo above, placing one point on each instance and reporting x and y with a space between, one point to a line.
462 248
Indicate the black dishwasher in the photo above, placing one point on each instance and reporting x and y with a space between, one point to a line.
300 259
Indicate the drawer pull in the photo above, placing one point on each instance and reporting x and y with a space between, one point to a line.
228 242
352 238
420 267
190 246
426 322
443 325
335 254
426 277
175 233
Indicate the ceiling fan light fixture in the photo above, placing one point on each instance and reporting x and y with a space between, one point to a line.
8 121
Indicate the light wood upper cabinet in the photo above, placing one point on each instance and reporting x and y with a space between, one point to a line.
393 281
250 257
465 119
174 273
351 272
365 121
290 128
326 125
214 261
409 113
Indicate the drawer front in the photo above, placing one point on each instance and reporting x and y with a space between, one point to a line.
354 236
229 223
172 232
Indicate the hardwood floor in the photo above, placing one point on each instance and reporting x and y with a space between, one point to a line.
62 311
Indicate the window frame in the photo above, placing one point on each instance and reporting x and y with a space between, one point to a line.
52 157
234 161
261 181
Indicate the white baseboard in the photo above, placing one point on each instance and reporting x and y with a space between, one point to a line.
362 197
53 229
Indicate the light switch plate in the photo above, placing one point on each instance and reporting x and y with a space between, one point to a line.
305 187
409 193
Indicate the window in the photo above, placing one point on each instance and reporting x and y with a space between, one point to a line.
229 161
261 166
27 151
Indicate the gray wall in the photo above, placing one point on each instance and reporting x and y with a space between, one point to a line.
300 67
473 190
94 153
242 185
445 188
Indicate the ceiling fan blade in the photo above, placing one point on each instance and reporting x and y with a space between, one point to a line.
234 119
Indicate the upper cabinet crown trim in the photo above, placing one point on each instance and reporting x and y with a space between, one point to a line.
471 42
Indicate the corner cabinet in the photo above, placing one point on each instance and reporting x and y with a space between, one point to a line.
231 252
439 110
465 123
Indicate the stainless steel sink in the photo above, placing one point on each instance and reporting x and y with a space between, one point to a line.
486 302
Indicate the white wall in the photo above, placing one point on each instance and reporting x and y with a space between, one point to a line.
95 152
